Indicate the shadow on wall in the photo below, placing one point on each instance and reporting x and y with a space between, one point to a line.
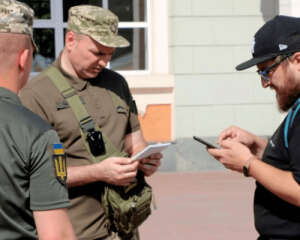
269 9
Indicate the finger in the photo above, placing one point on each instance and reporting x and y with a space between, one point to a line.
127 177
130 168
149 168
144 160
216 153
156 156
124 161
228 143
228 133
153 162
224 134
128 162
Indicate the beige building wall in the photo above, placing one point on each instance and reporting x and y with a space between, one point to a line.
207 40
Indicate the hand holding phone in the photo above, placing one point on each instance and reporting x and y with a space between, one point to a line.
207 144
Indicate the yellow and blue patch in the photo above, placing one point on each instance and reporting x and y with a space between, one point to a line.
58 149
60 165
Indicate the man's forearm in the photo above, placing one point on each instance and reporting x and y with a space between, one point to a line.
279 182
82 175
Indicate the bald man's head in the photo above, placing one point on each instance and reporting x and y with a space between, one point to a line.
11 44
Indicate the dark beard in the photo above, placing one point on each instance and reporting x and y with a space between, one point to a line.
287 101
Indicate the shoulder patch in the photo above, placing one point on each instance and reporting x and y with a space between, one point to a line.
59 163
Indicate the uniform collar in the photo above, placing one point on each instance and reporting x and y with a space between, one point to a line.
77 83
9 96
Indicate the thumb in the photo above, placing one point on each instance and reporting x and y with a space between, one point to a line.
228 143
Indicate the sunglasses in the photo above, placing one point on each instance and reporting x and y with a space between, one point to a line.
264 73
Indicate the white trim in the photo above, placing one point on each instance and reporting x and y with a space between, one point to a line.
134 72
59 23
151 81
159 37
133 24
43 23
148 32
105 3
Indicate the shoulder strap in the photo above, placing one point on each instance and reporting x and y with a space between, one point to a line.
289 121
69 93
84 119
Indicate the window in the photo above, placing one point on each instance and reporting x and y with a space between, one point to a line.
51 21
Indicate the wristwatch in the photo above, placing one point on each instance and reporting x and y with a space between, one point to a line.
247 165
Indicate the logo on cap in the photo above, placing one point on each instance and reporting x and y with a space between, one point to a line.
253 46
282 47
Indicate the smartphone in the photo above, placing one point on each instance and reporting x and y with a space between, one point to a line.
207 144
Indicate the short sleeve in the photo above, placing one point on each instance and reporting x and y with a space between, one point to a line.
48 188
133 121
30 100
133 124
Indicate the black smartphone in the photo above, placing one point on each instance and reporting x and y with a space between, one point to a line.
207 144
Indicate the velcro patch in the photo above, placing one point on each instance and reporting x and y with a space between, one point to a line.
60 165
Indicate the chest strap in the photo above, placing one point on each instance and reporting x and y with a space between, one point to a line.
289 121
86 122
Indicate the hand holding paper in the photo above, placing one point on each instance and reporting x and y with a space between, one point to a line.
150 149
150 157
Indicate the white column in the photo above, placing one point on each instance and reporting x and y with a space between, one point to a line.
159 36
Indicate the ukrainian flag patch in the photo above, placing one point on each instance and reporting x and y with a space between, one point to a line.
59 159
58 149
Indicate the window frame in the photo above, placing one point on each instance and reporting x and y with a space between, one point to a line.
56 23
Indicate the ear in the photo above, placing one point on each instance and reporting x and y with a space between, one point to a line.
22 58
70 40
296 58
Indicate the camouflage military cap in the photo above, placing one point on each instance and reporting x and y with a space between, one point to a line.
98 23
16 17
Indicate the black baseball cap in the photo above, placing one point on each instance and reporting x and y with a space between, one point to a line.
278 36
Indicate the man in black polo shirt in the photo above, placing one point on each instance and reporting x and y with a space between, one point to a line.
273 163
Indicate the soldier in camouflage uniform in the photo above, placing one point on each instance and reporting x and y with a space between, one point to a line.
33 193
90 41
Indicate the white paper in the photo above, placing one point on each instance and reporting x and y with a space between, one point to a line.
150 149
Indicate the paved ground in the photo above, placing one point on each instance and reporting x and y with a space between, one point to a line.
204 205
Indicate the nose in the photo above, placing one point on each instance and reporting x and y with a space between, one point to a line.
103 61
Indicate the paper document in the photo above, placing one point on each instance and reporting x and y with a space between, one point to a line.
150 149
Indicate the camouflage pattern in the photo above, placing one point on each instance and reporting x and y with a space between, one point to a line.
98 23
16 17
